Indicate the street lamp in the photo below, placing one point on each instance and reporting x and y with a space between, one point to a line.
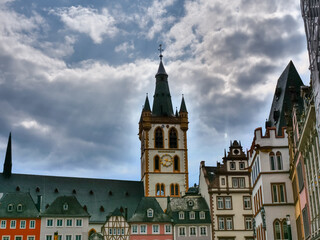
289 227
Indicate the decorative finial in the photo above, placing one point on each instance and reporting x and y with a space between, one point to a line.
160 50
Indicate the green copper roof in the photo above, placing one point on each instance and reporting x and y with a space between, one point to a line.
65 206
282 101
28 210
162 105
146 203
183 107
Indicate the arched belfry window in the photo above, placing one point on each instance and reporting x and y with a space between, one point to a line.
279 160
160 189
174 189
176 164
156 163
173 139
272 161
158 138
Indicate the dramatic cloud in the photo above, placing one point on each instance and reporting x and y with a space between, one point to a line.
73 78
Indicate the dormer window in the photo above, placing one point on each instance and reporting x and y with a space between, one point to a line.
181 215
150 213
192 215
65 207
202 215
10 207
19 208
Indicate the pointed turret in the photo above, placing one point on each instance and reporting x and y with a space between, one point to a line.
146 106
162 105
282 102
183 107
7 166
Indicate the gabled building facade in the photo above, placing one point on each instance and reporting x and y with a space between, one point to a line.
191 216
150 222
66 218
19 217
163 136
116 226
227 189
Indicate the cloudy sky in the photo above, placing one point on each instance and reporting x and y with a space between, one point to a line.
74 76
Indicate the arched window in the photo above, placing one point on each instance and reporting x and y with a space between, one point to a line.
272 161
173 141
176 165
279 161
158 138
160 191
285 230
156 163
174 190
277 229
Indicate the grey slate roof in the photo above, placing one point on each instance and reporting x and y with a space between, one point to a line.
140 214
73 209
92 193
282 101
29 209
177 205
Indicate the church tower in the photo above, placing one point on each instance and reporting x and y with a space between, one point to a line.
163 136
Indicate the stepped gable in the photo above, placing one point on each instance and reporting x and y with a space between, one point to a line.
96 196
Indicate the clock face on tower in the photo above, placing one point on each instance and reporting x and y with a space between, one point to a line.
166 160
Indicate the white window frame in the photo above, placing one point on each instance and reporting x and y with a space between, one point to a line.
158 229
184 231
202 215
32 224
145 229
60 237
59 219
181 215
49 237
47 220
10 207
18 236
150 213
134 227
5 237
24 226
192 215
110 231
19 207
67 235
206 231
242 165
11 224
78 237
165 229
244 202
32 237
67 224
79 220
3 224
195 231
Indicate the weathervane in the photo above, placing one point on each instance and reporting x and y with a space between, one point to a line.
160 50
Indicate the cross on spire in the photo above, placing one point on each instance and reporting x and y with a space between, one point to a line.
160 50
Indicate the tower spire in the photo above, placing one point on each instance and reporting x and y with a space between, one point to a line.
7 166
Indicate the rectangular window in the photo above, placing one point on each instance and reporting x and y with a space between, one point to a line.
122 231
155 229
79 222
143 229
278 193
181 215
182 231
59 237
22 224
59 222
247 202
202 215
32 224
224 202
223 181
110 231
134 229
68 237
49 222
203 231
228 202
220 203
69 222
3 224
221 223
167 229
241 165
114 231
13 224
30 237
192 231
49 237
18 237
242 183
5 237
78 237
305 222
248 223
300 177
232 166
192 215
229 223
235 182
